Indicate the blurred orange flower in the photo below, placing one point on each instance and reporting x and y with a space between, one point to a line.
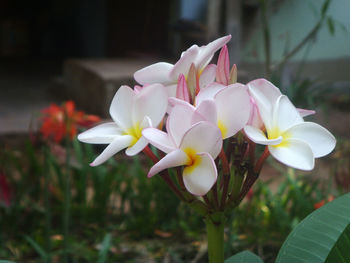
59 122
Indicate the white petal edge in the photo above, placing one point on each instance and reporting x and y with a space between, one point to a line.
101 134
155 73
285 115
233 108
151 101
257 136
321 141
200 179
137 147
118 144
184 63
121 106
203 137
159 139
294 153
172 159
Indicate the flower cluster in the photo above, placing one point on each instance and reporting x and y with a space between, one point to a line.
59 122
206 125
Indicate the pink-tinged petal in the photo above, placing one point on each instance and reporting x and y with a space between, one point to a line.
172 159
137 147
207 52
179 121
254 118
203 137
201 176
265 95
184 63
172 102
121 106
181 89
151 101
321 141
101 134
304 113
119 143
208 93
171 89
137 88
159 139
206 111
207 76
285 115
233 109
257 136
223 68
155 73
294 153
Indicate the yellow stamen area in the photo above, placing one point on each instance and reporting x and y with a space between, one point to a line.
193 162
223 128
135 132
275 133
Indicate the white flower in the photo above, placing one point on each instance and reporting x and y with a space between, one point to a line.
290 140
168 74
131 112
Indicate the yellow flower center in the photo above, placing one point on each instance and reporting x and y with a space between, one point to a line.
222 128
193 160
135 132
274 133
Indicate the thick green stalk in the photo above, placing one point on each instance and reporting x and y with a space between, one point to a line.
215 233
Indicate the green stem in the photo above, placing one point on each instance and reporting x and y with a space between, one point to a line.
47 206
215 233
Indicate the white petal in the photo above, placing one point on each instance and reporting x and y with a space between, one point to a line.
285 115
172 159
294 153
179 121
265 95
159 139
321 141
208 92
206 111
171 90
203 137
207 52
101 134
199 180
208 76
118 144
175 101
233 109
151 101
184 63
257 136
137 147
121 106
155 73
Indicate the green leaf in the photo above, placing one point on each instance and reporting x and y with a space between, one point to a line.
6 261
325 7
106 244
36 247
323 236
330 24
244 257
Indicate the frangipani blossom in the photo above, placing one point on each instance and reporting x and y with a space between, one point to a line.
193 146
268 94
131 112
227 107
168 74
290 140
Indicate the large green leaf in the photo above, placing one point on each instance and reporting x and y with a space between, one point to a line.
323 236
244 257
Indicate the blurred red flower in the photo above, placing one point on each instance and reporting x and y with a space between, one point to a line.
59 122
323 202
